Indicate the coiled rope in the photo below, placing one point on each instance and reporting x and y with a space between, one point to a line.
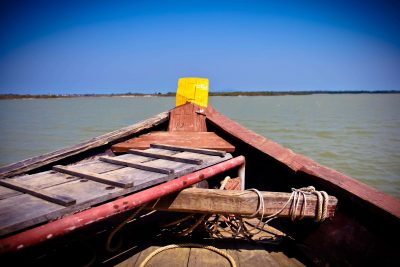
188 245
294 200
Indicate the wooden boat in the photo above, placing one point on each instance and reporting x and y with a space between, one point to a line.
363 230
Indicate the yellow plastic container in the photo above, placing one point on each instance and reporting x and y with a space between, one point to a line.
193 90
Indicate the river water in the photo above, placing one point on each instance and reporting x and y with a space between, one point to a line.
357 134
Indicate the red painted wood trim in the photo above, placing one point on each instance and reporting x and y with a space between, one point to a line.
302 164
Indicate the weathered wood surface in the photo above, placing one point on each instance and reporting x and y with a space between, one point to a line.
141 166
187 118
190 149
37 192
203 140
15 211
109 138
343 184
254 255
199 200
89 183
101 178
167 157
172 257
244 254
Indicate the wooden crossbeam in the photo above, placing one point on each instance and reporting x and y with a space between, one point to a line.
216 201
101 178
166 157
141 166
37 192
190 149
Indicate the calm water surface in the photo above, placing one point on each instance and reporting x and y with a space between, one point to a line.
358 135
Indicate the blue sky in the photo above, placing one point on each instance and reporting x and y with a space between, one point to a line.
145 46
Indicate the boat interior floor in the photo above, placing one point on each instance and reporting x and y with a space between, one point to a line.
268 247
138 238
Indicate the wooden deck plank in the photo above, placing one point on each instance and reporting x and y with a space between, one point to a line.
7 192
200 257
143 254
177 166
161 151
244 254
254 255
201 140
23 210
284 260
204 157
97 166
44 179
129 262
84 190
142 166
60 199
101 178
172 257
230 248
166 157
190 149
138 176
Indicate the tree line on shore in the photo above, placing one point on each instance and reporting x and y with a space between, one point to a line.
169 94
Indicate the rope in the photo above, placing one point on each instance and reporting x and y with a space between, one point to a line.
194 226
177 221
188 245
224 182
322 203
119 227
237 226
294 200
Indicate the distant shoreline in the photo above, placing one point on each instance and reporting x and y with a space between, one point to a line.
170 94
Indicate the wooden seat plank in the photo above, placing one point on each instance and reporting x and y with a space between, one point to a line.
217 201
201 140
64 200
